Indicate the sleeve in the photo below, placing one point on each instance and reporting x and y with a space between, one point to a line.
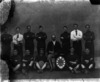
61 37
14 39
80 35
72 36
45 36
84 36
48 46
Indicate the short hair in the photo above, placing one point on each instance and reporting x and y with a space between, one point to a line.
28 26
75 24
65 27
17 28
40 26
87 25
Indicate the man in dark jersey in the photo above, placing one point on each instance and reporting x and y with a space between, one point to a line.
27 61
29 40
53 51
65 39
6 40
16 64
88 63
73 62
89 38
41 38
41 61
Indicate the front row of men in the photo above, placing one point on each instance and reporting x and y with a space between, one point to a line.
54 59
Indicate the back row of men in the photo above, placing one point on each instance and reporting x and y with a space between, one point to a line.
26 41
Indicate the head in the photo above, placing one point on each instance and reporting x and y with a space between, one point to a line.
15 52
87 27
28 28
41 52
53 38
75 26
18 29
65 28
87 51
6 29
72 50
27 52
40 28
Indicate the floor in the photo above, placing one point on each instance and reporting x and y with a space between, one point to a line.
58 75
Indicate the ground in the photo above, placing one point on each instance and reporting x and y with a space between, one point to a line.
58 75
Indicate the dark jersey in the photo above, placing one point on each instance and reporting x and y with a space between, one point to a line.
55 48
41 37
27 59
65 38
72 58
6 39
15 60
41 58
87 57
89 36
29 38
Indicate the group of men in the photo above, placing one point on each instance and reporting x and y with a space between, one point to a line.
18 50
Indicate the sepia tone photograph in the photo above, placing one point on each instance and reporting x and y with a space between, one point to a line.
49 40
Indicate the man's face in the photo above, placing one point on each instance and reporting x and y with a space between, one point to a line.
87 27
72 50
41 52
65 28
17 30
15 52
75 26
53 38
28 29
41 29
87 51
27 52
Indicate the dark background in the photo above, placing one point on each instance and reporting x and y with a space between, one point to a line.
53 16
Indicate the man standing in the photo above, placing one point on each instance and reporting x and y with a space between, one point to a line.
41 38
6 40
89 38
29 40
76 37
65 39
18 41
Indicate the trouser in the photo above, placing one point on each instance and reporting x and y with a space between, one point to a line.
19 48
88 66
41 67
51 60
77 45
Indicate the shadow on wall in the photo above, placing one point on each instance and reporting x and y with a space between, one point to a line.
54 16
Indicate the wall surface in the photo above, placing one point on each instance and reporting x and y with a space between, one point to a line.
53 16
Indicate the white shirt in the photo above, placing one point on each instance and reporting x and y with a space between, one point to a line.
54 42
75 37
17 38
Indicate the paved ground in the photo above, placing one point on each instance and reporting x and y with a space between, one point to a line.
59 75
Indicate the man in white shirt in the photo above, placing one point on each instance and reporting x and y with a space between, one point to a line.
18 41
76 37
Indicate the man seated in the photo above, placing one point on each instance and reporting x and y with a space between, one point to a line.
41 61
15 61
73 64
88 63
27 62
53 50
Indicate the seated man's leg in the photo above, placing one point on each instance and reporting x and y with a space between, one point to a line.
91 66
50 61
44 66
53 63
